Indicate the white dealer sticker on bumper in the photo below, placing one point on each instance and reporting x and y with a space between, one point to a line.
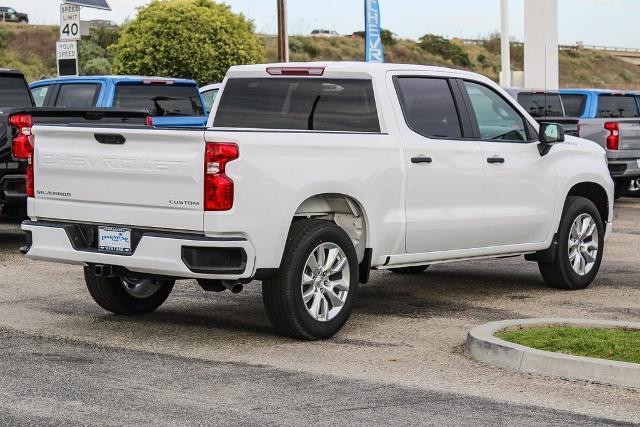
114 239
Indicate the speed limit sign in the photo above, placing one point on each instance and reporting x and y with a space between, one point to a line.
69 22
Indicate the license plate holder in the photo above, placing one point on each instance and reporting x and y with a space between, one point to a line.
114 240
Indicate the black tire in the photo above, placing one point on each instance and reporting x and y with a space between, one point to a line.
418 269
560 274
282 293
110 294
621 188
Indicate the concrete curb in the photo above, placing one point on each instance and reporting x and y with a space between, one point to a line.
483 346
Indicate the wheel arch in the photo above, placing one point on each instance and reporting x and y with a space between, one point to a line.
342 209
594 192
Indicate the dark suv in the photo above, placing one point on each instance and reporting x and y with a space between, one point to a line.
14 95
9 14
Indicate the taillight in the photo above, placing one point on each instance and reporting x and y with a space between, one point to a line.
21 145
218 187
149 121
613 140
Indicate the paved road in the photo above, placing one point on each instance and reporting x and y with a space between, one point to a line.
49 382
213 358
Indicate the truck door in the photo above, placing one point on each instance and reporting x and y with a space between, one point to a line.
444 168
519 184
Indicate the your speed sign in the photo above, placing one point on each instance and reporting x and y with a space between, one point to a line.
69 22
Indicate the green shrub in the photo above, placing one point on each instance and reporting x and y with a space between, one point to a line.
388 37
96 67
439 45
197 39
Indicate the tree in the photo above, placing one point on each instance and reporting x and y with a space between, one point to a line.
95 55
197 39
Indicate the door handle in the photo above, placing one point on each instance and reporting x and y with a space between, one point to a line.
495 160
421 159
109 138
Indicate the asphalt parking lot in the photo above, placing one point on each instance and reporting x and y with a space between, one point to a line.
213 358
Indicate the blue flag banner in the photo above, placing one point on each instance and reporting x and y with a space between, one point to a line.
374 51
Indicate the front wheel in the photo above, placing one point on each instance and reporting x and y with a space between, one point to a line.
127 296
312 295
580 247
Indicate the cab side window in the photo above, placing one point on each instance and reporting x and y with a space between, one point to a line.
497 119
428 107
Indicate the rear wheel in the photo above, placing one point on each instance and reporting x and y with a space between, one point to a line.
127 296
312 295
418 269
580 247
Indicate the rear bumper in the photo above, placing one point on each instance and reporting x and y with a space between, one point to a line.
157 253
13 189
624 168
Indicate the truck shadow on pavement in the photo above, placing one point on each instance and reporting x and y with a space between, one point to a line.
444 292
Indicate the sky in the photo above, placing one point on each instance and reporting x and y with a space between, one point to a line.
612 23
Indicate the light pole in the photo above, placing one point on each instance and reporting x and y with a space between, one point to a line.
505 49
283 37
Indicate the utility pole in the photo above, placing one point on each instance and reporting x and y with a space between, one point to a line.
283 37
505 48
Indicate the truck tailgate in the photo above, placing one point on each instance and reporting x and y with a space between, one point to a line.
119 176
630 135
628 130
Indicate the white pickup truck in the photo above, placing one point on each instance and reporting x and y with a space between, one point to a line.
307 177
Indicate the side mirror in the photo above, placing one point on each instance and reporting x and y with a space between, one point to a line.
550 133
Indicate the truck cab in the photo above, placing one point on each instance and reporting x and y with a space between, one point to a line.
171 102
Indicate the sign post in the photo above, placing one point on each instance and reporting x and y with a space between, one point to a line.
374 51
67 47
67 54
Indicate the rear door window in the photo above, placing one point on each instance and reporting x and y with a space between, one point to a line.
617 106
574 104
340 105
161 100
14 92
541 104
428 107
77 95
209 97
40 94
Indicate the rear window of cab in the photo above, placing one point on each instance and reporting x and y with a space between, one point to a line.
338 105
617 106
160 100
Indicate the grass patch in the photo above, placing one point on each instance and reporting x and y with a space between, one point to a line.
612 344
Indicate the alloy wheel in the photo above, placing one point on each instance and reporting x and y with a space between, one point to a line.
583 244
325 282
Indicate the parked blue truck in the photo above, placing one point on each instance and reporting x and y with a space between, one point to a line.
170 102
